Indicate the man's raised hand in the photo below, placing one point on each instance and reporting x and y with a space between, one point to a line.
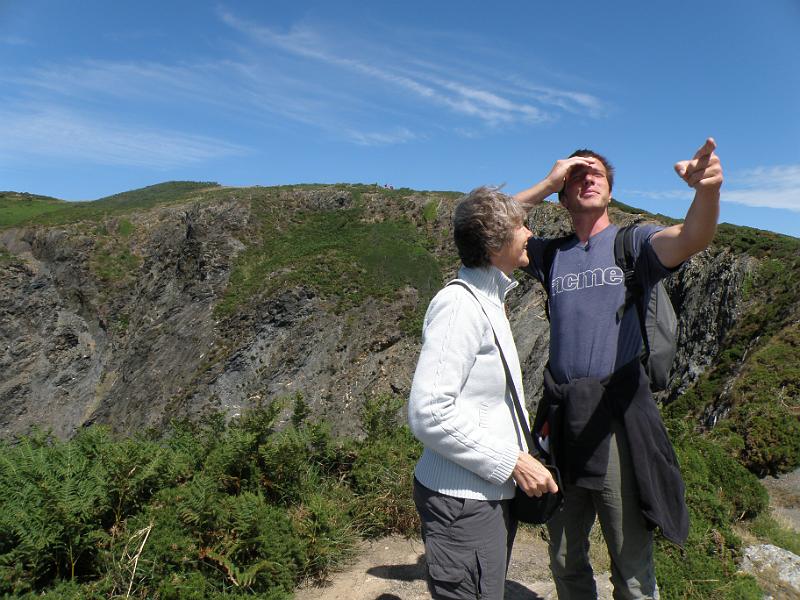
704 170
557 177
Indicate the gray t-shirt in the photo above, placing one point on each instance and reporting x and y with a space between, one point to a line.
586 289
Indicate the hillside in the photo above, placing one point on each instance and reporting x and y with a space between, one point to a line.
207 303
185 297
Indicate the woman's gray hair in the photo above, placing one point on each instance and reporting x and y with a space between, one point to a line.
483 222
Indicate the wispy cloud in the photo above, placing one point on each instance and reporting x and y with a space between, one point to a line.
685 194
252 89
398 136
766 186
47 131
435 84
368 93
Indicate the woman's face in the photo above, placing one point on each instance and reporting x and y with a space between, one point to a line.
514 253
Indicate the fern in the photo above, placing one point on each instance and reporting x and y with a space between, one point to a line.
54 503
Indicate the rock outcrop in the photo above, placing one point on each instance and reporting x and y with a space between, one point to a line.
116 320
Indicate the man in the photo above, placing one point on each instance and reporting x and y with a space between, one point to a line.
597 418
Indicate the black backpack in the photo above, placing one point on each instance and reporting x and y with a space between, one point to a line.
657 320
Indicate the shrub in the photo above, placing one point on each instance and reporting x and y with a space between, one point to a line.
382 474
54 501
719 492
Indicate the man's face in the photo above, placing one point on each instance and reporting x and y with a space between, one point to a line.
586 188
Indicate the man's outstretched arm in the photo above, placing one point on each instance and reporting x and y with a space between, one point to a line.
703 172
553 183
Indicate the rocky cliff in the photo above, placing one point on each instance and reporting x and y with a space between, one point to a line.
135 313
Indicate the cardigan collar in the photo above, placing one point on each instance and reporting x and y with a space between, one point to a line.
490 282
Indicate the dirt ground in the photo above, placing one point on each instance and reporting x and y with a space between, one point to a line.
392 569
784 493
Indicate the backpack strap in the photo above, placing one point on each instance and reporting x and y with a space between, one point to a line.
548 256
634 292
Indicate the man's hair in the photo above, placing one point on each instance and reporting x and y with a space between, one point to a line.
483 222
606 163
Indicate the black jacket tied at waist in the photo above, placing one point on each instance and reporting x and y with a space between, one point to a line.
579 415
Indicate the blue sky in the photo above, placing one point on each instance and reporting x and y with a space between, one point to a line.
440 96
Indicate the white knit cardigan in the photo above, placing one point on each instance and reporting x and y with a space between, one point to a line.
460 407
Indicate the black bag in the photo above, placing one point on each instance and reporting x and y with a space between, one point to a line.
538 510
528 509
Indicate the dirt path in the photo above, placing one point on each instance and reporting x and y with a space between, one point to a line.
392 569
784 494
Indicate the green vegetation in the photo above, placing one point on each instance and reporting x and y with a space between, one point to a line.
112 263
336 253
155 195
125 227
430 210
757 372
228 510
719 492
211 510
626 208
112 260
17 208
766 528
27 209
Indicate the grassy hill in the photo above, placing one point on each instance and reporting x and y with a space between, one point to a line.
20 209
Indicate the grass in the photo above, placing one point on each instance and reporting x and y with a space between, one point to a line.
26 209
757 373
767 529
336 253
19 208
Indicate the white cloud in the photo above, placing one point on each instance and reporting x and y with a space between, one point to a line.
360 96
686 194
375 138
49 131
426 80
760 187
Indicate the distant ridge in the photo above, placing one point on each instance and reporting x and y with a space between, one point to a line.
160 193
22 208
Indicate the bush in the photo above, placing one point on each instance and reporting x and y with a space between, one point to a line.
764 437
54 502
719 492
383 473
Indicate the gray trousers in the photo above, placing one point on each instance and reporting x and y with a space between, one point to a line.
467 544
629 541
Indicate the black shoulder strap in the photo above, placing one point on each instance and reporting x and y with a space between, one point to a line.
548 256
634 293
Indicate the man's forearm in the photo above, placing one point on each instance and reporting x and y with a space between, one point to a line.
552 183
700 223
535 194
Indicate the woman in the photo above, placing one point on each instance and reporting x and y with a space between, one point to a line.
462 411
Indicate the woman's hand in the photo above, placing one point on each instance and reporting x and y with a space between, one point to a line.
532 476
